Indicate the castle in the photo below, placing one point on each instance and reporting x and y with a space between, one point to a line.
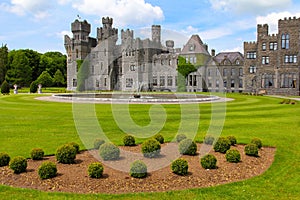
272 62
270 65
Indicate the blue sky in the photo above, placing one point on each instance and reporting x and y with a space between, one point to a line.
223 24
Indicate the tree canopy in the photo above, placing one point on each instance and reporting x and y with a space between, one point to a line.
23 66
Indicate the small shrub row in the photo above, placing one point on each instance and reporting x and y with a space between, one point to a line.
129 140
4 159
151 148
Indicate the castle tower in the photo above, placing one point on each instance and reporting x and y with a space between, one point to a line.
81 31
156 34
262 30
107 31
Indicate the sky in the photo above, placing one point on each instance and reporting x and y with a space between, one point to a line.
223 25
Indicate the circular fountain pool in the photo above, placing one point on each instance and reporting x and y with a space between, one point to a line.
144 98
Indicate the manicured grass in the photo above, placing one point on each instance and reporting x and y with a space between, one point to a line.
27 123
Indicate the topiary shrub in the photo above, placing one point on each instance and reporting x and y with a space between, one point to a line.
257 141
5 88
95 170
129 140
188 147
18 164
66 154
33 87
151 148
159 138
4 159
109 151
209 162
180 167
47 170
98 142
37 154
222 145
232 140
180 137
251 150
233 156
138 169
209 140
76 146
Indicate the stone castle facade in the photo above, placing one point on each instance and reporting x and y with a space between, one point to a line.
270 64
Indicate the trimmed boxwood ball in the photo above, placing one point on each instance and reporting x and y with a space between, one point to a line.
98 142
151 148
109 151
18 164
251 150
47 170
209 139
180 167
233 156
138 169
232 140
222 145
159 138
95 170
66 154
180 137
188 147
129 140
37 154
4 159
75 145
257 141
209 162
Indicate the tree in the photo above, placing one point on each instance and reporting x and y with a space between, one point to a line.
20 71
33 87
5 88
45 79
3 62
184 69
59 78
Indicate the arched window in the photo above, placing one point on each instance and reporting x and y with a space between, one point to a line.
285 41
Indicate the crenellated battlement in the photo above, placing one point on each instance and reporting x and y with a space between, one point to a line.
83 26
107 20
127 34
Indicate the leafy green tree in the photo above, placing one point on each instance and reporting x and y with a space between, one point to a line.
52 61
3 62
184 69
34 60
5 88
20 71
45 79
33 87
59 78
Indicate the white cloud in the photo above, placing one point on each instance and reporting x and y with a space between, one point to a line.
62 34
38 8
125 12
251 6
235 49
63 2
272 19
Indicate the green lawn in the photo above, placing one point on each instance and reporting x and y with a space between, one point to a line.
27 123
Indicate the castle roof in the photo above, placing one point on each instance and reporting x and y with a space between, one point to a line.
231 56
195 46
